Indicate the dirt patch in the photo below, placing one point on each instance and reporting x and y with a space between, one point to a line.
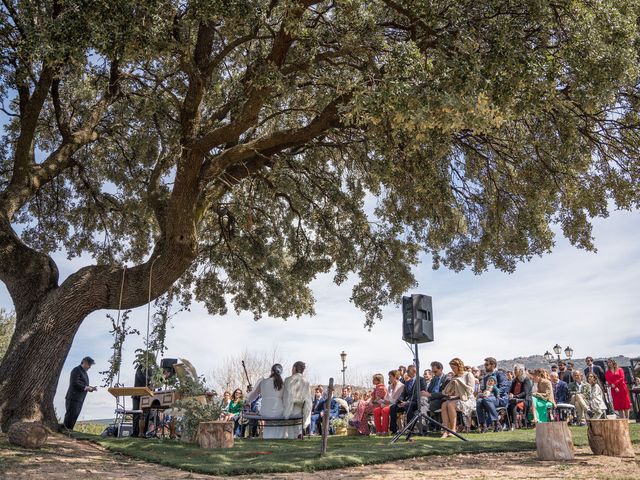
65 458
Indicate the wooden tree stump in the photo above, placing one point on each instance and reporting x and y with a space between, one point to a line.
217 434
554 441
27 434
610 437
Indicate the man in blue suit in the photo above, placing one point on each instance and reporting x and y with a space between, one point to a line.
560 389
486 407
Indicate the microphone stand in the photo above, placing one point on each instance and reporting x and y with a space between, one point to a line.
408 429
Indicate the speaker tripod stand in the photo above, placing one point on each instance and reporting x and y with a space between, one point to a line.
409 427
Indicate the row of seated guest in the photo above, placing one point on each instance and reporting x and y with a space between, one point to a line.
492 390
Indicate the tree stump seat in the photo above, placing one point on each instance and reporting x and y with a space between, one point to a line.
215 434
610 437
554 441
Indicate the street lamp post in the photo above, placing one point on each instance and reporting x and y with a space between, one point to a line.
343 357
548 356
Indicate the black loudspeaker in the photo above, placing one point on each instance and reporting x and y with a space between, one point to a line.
417 319
168 363
628 375
602 364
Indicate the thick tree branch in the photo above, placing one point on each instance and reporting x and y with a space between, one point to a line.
256 95
273 143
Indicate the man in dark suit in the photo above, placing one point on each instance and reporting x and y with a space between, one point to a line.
78 388
435 387
408 402
560 389
563 373
595 369
141 379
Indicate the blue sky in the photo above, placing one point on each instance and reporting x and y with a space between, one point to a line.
571 297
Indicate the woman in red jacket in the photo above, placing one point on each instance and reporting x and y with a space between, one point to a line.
619 391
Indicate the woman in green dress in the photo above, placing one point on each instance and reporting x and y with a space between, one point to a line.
542 400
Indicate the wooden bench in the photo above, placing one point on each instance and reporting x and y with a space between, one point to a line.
263 421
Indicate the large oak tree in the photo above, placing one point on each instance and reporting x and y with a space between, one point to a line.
234 149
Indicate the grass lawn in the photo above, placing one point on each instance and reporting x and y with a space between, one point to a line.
264 456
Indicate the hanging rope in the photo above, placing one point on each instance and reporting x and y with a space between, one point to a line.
146 361
124 271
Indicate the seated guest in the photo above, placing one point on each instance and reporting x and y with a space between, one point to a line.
403 373
435 387
427 375
459 392
316 403
235 409
580 392
346 395
597 406
226 401
393 395
519 393
486 407
408 401
560 389
356 401
334 411
490 392
376 401
542 400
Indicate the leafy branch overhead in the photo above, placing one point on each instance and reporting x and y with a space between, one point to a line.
242 148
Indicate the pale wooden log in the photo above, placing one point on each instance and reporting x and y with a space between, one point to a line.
610 437
216 434
27 434
554 441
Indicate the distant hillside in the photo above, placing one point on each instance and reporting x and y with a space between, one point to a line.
101 421
538 361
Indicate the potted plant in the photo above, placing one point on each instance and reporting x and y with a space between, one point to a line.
339 425
190 413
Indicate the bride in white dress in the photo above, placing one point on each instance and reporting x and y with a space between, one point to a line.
272 391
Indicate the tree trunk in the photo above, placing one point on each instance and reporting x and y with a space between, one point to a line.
554 441
31 367
610 437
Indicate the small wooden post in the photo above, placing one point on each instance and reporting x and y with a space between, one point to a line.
325 422
610 437
554 441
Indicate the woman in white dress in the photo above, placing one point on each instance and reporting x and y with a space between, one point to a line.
596 403
272 391
297 400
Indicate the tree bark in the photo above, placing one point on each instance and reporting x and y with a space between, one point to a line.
610 437
28 434
31 367
554 441
215 434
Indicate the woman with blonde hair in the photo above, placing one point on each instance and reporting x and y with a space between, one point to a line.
459 392
542 400
619 391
